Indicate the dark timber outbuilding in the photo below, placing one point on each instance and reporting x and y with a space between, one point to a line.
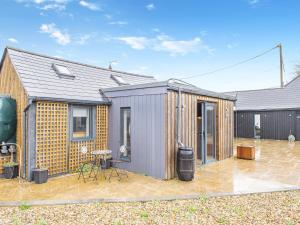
272 113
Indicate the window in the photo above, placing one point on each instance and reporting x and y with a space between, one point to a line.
81 122
120 80
125 133
63 71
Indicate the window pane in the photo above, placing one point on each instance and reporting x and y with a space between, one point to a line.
80 122
125 131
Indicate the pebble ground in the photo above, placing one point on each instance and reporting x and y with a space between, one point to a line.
267 208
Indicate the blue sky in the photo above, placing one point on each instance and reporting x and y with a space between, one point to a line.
163 38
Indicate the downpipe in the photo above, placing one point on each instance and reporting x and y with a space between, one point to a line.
179 111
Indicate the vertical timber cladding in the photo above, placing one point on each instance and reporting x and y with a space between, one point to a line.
10 84
51 136
99 143
225 123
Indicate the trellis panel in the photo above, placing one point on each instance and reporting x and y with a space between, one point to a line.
102 127
100 142
51 136
76 157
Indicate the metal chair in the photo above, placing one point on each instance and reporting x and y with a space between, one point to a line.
86 165
115 171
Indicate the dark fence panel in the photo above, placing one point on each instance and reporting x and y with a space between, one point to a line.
244 124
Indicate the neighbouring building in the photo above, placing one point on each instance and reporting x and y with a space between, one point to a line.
272 113
64 105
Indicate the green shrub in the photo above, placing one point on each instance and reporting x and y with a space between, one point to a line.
16 221
10 164
144 214
192 209
41 222
24 206
203 198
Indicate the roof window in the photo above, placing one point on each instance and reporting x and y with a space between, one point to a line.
120 80
62 71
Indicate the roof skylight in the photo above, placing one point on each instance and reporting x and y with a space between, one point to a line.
62 71
120 80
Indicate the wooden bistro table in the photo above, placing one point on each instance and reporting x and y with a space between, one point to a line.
101 154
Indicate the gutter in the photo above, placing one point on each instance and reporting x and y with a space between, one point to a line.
74 101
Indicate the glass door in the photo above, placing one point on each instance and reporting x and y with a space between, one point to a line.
257 127
210 124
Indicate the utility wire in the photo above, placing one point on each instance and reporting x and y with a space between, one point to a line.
230 66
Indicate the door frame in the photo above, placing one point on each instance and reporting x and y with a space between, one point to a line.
204 132
254 126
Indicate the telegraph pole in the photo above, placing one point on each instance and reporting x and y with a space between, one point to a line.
281 65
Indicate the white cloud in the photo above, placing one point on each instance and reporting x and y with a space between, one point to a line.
231 45
203 33
165 43
56 5
120 23
181 47
137 43
13 40
89 5
253 2
150 6
55 33
156 30
53 7
108 16
83 39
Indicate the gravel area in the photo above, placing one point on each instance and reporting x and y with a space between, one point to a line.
266 208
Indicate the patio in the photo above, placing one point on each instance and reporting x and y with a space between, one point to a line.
276 167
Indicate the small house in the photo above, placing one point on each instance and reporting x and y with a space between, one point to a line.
64 105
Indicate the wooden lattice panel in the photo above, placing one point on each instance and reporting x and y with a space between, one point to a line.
51 136
3 160
102 127
76 157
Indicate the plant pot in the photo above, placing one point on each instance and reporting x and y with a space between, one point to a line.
40 176
105 164
11 171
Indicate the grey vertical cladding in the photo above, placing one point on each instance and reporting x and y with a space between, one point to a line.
31 140
147 133
276 124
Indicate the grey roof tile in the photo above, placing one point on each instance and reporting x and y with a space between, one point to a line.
41 81
287 97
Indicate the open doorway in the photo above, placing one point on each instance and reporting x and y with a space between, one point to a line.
206 132
257 126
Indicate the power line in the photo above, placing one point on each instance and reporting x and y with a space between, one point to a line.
231 66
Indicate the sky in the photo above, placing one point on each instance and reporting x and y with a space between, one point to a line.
163 38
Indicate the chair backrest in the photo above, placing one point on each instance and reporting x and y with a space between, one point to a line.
83 150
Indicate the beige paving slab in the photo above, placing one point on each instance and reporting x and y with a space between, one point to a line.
277 166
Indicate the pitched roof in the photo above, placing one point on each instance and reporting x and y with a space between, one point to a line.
173 84
287 97
42 82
